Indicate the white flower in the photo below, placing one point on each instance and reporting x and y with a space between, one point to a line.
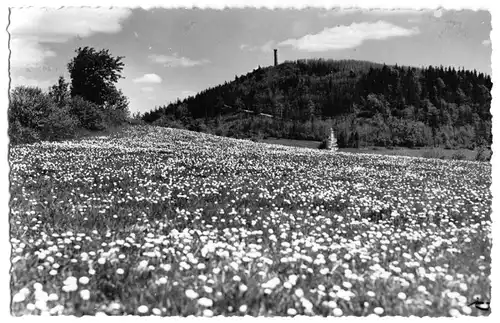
41 305
18 298
206 302
291 311
467 310
156 311
347 285
84 280
191 294
142 309
53 297
454 312
37 286
299 293
120 271
337 312
85 294
243 308
378 310
271 284
69 288
208 313
70 281
401 296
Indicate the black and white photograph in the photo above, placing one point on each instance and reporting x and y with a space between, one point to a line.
249 162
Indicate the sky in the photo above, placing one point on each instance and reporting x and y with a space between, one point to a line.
175 53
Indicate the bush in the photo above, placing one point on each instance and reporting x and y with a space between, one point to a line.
88 114
434 153
28 106
323 145
20 134
483 155
59 125
459 155
34 116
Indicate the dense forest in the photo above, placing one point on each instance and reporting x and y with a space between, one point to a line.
368 104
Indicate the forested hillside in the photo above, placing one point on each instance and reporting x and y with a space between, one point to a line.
366 103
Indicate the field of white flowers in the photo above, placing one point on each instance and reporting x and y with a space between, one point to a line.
169 222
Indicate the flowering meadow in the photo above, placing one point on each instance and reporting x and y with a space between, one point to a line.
157 221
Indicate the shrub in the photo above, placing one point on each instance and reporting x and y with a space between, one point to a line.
459 155
434 153
34 116
323 144
483 154
59 125
20 134
28 108
89 115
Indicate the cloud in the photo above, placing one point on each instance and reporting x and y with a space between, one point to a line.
486 42
344 37
21 80
32 27
148 78
267 47
372 12
176 61
28 53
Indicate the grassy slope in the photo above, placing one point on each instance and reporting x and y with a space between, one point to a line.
171 222
448 153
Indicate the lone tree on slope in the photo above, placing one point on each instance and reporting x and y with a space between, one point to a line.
94 74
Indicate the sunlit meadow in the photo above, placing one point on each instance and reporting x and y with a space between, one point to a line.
165 222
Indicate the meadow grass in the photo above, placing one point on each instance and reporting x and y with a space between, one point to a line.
169 222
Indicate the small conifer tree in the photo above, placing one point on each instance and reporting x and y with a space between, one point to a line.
332 141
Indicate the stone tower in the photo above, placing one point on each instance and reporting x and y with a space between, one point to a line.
275 57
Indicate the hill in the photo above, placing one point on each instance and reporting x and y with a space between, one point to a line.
366 103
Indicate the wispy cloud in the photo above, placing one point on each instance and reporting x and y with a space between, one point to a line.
176 61
372 12
267 47
32 28
21 80
344 37
148 78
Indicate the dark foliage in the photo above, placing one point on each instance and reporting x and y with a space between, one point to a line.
92 104
368 104
94 74
34 115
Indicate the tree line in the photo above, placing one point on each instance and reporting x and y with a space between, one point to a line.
368 104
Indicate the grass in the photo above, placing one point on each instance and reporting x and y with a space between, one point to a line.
398 151
170 222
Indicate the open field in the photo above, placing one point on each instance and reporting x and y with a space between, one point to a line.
171 222
398 151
